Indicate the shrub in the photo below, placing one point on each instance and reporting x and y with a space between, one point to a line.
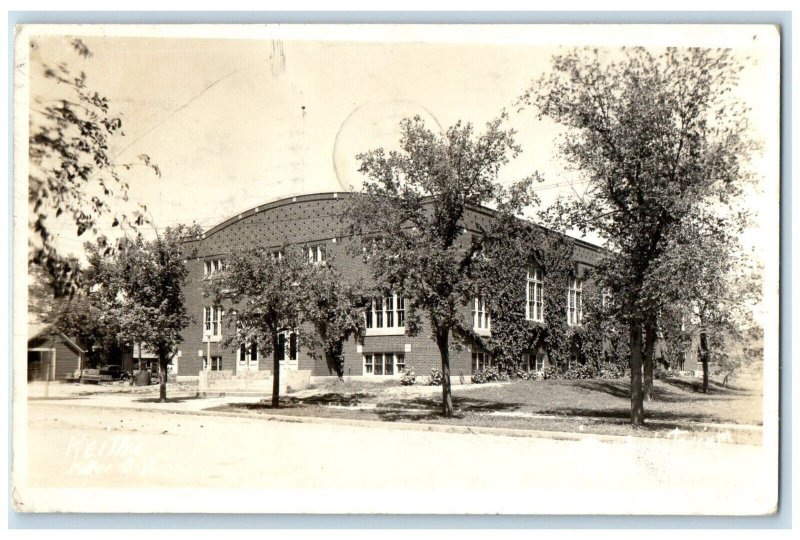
612 371
436 377
551 372
529 375
580 371
408 378
489 374
661 373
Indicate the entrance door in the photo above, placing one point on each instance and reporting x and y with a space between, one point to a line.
247 359
39 365
287 350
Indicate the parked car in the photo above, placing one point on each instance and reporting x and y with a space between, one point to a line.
115 372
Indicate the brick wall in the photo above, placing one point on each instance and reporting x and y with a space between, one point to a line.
311 219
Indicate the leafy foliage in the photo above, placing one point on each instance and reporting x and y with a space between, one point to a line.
580 371
335 307
661 144
501 274
529 375
409 378
489 374
416 200
263 297
83 317
435 378
140 289
73 173
551 372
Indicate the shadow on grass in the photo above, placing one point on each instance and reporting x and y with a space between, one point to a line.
425 408
673 390
621 415
331 398
169 399
714 387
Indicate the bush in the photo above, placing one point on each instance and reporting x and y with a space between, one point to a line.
612 371
435 378
661 373
408 378
489 374
551 372
529 375
580 371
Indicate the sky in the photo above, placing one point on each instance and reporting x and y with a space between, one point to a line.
234 123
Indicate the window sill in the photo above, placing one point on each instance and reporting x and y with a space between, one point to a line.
394 331
483 331
212 339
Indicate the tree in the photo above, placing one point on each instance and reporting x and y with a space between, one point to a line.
657 138
266 297
141 287
415 201
73 176
715 307
336 310
81 317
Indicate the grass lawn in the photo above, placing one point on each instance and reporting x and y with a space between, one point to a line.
590 406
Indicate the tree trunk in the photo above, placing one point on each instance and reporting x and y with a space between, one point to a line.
442 341
162 382
134 378
704 359
637 397
276 373
649 360
333 356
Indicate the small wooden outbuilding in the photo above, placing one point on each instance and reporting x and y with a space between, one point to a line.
52 356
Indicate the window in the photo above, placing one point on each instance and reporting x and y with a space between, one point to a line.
534 295
575 302
400 309
316 254
212 267
480 315
277 255
216 363
384 364
292 346
213 321
534 361
480 361
387 312
605 299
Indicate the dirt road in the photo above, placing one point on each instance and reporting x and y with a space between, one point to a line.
279 466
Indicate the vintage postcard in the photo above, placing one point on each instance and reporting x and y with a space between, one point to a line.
396 269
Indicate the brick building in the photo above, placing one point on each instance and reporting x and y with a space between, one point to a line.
313 222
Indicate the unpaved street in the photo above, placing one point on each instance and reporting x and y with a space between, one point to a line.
294 466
